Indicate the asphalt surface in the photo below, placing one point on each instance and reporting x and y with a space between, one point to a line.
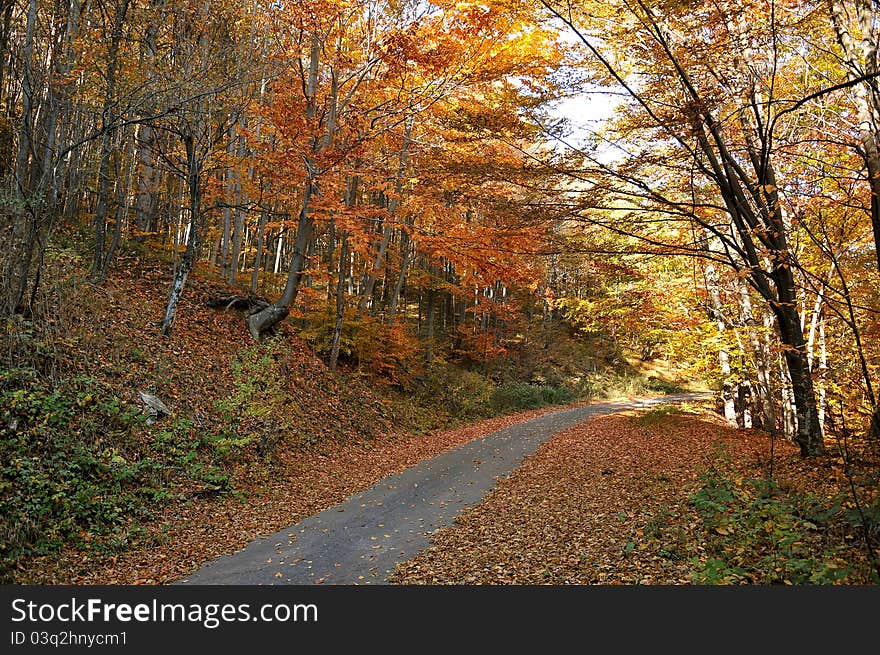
361 540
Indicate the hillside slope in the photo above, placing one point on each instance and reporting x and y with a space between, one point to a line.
257 436
84 465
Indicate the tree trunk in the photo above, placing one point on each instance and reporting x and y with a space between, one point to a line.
371 273
764 412
429 325
809 434
278 311
72 167
874 430
789 416
258 256
121 191
764 363
5 58
101 209
238 229
816 336
405 258
147 203
822 374
108 119
340 302
193 238
149 174
21 250
717 312
227 213
279 246
36 174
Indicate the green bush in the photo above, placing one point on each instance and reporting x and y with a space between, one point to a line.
460 393
755 534
63 478
523 395
79 467
657 414
259 410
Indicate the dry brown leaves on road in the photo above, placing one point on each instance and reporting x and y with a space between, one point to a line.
579 509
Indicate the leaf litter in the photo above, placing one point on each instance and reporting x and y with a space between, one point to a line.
183 537
604 502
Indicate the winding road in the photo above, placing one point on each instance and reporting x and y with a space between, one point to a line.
361 540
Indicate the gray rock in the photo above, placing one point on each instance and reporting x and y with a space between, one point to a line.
153 407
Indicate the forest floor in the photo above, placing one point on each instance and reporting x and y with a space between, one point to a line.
663 496
613 500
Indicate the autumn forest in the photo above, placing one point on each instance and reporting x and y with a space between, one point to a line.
261 251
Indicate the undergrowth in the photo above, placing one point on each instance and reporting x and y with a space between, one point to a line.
79 466
758 531
657 414
259 410
463 394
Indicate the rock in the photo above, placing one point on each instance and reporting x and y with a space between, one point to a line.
153 407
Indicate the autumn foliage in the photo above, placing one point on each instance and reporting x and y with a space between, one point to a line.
385 196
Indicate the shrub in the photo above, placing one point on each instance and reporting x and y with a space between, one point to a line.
79 467
757 535
64 478
458 392
523 395
259 409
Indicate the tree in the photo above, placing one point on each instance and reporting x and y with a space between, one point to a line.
318 32
35 174
861 61
364 71
204 51
101 257
713 110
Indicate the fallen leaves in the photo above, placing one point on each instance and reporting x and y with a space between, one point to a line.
189 533
587 508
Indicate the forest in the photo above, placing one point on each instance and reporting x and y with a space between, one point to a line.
263 242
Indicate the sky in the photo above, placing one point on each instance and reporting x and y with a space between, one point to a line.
587 111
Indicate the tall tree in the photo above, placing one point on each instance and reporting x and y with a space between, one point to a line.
713 108
857 28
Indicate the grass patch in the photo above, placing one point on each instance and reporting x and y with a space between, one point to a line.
523 395
657 414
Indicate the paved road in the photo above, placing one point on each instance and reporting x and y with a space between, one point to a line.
361 540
